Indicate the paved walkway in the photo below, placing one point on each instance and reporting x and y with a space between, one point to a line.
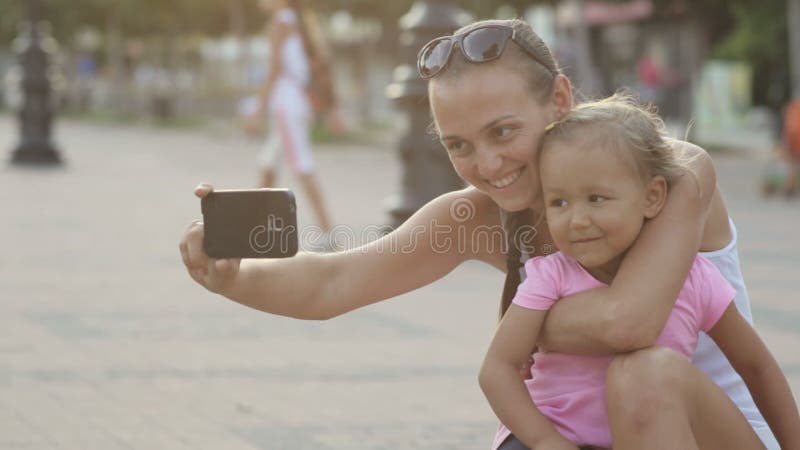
107 344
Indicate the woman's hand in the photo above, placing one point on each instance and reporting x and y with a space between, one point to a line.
216 275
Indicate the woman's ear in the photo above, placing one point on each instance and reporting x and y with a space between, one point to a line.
562 96
656 196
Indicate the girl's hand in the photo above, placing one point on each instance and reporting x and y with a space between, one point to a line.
216 275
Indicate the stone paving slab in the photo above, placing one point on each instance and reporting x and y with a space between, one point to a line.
107 344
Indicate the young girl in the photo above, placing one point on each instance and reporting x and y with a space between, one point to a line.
605 170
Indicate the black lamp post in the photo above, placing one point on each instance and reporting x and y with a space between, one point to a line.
36 111
426 170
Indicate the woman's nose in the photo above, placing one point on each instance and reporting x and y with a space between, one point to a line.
489 161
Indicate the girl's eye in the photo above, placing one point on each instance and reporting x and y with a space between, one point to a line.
558 203
597 198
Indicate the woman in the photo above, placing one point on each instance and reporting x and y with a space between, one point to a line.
284 96
491 112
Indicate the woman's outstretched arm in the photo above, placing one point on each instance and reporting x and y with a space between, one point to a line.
631 312
321 286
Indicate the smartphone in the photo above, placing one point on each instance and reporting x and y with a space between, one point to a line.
250 223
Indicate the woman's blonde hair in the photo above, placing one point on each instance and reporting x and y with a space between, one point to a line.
625 125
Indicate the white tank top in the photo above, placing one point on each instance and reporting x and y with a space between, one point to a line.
708 357
290 87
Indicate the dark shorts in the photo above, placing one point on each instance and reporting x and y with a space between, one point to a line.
512 443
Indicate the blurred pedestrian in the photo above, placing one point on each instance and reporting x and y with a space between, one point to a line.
85 81
791 146
650 80
298 84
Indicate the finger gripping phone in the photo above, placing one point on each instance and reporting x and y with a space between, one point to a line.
251 223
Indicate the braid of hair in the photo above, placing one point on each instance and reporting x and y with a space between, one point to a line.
516 220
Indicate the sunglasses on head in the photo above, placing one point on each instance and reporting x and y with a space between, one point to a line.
478 45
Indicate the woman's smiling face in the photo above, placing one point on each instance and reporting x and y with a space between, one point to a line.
491 124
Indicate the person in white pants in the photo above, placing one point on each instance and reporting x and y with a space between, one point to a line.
283 98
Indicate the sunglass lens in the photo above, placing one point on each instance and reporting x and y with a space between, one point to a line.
434 57
485 44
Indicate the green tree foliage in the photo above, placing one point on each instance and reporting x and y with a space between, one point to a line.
133 17
760 37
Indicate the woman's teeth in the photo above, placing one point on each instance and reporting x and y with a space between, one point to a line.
503 182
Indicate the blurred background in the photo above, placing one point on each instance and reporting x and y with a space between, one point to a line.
723 64
114 110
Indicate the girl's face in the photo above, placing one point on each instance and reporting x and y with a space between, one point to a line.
490 123
596 202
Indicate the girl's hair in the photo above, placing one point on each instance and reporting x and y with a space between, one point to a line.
625 126
540 74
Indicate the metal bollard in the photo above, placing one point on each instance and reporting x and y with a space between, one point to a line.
426 169
34 47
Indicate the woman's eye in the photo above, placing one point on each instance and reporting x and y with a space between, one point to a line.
501 132
456 146
597 198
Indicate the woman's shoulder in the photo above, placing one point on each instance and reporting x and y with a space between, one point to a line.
697 190
716 233
695 157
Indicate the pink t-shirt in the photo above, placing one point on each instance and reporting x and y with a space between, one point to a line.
570 389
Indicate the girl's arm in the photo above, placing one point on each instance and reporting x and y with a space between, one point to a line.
755 364
631 312
499 378
321 286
